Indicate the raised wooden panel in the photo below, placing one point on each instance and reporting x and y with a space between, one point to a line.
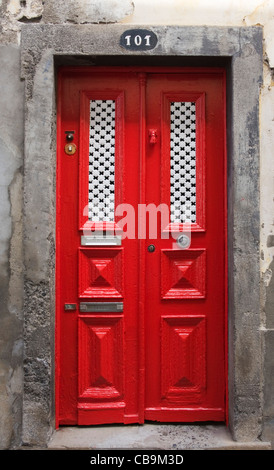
183 274
183 347
100 358
101 273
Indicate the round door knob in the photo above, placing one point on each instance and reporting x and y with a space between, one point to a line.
151 248
183 241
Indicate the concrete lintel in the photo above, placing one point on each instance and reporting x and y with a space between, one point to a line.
104 40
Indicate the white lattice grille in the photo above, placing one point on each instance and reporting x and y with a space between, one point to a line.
182 162
101 160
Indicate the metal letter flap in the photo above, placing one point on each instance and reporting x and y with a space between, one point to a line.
101 306
93 240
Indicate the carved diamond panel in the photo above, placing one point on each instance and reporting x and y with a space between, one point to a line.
183 358
100 357
101 273
183 274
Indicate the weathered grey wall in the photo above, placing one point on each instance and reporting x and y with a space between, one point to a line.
243 241
268 291
39 251
86 11
11 291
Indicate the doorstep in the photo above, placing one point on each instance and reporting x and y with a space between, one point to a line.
150 437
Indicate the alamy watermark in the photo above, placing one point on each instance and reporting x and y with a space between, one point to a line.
147 221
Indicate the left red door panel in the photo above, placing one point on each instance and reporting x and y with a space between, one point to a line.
96 285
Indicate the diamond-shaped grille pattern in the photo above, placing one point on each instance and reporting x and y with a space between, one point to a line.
101 160
182 162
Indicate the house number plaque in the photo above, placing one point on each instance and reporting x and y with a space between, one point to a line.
138 40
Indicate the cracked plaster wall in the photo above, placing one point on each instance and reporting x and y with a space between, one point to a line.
13 13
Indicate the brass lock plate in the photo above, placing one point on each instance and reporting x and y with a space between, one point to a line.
70 149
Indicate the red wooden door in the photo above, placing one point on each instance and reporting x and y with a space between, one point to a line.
140 277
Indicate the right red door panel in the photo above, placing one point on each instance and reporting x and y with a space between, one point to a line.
185 282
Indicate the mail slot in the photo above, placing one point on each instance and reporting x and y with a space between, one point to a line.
90 240
101 306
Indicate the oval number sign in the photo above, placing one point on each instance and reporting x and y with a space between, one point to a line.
138 40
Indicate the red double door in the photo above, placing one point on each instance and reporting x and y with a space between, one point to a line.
141 266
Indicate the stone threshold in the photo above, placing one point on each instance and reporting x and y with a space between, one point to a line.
150 437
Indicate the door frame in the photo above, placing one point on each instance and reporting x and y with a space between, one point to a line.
44 48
